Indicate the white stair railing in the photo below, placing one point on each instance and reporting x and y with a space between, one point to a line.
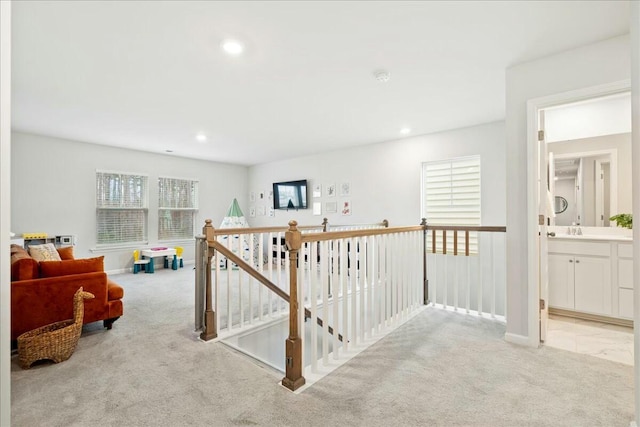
466 269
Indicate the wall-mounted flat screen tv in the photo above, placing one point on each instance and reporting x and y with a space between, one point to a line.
290 194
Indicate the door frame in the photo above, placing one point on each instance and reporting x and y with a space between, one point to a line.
533 253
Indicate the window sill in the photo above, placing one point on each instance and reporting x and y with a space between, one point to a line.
177 241
119 248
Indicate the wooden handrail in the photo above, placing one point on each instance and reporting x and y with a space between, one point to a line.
277 229
227 231
336 235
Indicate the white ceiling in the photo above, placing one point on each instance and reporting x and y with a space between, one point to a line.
150 75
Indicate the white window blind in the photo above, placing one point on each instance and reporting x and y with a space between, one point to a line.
451 195
177 207
121 208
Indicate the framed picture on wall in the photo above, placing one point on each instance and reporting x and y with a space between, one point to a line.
317 190
330 207
261 211
346 207
252 196
331 190
345 189
252 211
317 208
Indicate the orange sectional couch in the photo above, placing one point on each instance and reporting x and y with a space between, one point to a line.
42 292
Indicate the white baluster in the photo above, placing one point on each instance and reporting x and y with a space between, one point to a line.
346 336
313 290
324 279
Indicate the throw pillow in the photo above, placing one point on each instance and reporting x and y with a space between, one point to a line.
71 266
66 253
46 252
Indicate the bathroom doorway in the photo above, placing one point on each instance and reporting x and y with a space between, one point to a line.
586 175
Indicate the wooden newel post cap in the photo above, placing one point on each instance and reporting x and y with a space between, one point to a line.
208 229
423 222
293 237
385 222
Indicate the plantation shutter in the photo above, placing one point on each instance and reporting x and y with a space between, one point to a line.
121 208
177 207
451 194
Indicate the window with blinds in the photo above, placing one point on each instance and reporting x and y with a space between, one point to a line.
451 195
121 208
177 207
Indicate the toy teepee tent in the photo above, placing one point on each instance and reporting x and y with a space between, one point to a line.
235 219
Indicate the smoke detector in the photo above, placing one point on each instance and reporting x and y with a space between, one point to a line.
382 76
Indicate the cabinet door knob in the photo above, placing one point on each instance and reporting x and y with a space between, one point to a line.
577 261
570 260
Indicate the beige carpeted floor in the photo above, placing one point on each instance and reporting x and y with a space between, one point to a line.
439 369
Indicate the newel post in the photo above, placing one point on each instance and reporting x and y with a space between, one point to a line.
425 281
293 362
210 329
325 225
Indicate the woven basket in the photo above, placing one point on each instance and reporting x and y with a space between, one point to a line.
55 341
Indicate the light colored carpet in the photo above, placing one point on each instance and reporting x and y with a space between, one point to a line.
439 369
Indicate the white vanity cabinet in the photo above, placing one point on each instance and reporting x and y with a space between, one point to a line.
580 276
625 280
561 281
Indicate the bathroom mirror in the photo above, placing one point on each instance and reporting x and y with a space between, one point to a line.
593 175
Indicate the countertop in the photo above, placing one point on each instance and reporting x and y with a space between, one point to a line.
599 237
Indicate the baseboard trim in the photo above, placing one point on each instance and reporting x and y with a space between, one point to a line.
518 339
593 317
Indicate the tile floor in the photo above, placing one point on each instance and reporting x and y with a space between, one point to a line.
602 340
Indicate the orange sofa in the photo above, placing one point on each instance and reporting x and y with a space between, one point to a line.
42 292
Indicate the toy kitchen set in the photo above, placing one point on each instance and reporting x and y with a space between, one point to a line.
28 239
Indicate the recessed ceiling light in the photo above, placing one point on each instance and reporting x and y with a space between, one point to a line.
405 131
201 137
232 47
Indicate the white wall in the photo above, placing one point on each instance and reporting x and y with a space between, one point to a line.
385 177
605 116
53 188
587 66
635 108
5 212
